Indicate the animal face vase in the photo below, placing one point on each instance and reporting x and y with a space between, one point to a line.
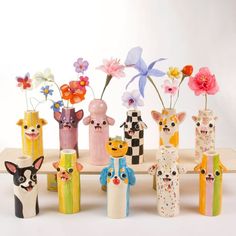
210 183
68 180
168 122
98 123
32 134
25 185
204 132
167 172
134 136
118 178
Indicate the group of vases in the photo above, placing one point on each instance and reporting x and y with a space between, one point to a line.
166 170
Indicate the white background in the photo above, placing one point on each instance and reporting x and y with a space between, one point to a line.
35 35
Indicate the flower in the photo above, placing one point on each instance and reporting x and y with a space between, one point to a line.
46 90
135 60
170 87
203 82
24 82
112 68
187 70
57 105
174 73
132 99
72 92
83 82
41 77
81 65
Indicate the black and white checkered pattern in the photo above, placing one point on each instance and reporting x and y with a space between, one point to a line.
134 136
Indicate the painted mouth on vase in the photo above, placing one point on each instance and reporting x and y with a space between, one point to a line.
166 130
67 126
27 188
114 149
32 136
166 180
210 179
64 178
98 128
204 132
130 133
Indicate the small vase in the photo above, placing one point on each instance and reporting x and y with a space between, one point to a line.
68 121
32 134
68 180
25 185
134 136
118 178
98 123
167 172
210 183
204 133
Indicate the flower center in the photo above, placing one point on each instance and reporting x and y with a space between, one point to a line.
131 101
82 83
203 78
56 105
46 91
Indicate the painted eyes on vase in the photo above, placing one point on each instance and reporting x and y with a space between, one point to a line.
198 124
38 126
120 146
173 172
172 124
34 177
109 174
72 122
123 175
160 123
159 173
126 126
210 125
70 170
104 122
21 179
203 171
58 169
92 122
217 173
25 127
136 127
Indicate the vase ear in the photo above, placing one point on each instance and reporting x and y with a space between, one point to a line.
38 163
181 116
79 114
87 120
57 115
44 122
110 120
152 170
20 122
11 167
79 166
194 118
55 164
156 115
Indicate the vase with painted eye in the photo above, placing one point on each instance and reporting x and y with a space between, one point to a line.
205 123
98 123
134 136
32 134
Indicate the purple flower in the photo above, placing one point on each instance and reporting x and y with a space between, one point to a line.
81 65
56 106
132 99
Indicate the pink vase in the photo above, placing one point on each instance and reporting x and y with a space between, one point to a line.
98 123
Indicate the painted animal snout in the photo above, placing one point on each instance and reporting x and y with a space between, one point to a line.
116 181
67 125
210 178
29 187
64 176
166 178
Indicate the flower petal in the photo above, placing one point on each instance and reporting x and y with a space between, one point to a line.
154 62
142 83
156 73
132 80
133 56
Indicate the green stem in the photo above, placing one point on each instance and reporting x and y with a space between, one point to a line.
109 77
171 101
205 101
26 99
177 98
150 79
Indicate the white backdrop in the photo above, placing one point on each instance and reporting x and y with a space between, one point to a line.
40 34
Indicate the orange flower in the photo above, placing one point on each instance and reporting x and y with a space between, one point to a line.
72 92
187 70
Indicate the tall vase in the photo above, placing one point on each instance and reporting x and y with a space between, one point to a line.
25 185
68 180
168 121
210 183
204 132
68 121
99 124
134 136
32 134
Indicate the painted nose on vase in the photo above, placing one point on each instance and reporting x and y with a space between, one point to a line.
32 130
167 176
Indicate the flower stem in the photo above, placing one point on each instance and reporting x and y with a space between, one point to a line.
177 98
92 92
109 77
150 79
171 101
205 101
26 99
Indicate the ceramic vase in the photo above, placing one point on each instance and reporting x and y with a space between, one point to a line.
68 180
168 122
210 183
99 124
118 178
204 133
167 171
134 136
32 134
68 120
25 185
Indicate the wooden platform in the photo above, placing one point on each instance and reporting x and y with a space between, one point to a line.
228 158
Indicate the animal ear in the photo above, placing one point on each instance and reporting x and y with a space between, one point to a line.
57 115
215 118
38 163
110 120
223 168
181 116
55 164
142 124
156 115
152 170
79 166
19 122
122 124
11 167
44 122
181 169
79 114
194 118
103 176
87 120
131 176
198 167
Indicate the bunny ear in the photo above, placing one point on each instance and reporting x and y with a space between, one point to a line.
38 163
11 167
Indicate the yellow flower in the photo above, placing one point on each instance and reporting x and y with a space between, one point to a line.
174 73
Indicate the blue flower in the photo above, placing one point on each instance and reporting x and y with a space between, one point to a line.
46 91
57 106
135 60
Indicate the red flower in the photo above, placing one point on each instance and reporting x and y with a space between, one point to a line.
24 83
187 70
73 92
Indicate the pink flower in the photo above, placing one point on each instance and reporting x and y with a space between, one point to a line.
83 82
203 82
112 68
170 87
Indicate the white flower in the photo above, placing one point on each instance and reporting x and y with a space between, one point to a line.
132 99
42 77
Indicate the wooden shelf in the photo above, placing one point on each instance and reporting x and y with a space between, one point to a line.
228 158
